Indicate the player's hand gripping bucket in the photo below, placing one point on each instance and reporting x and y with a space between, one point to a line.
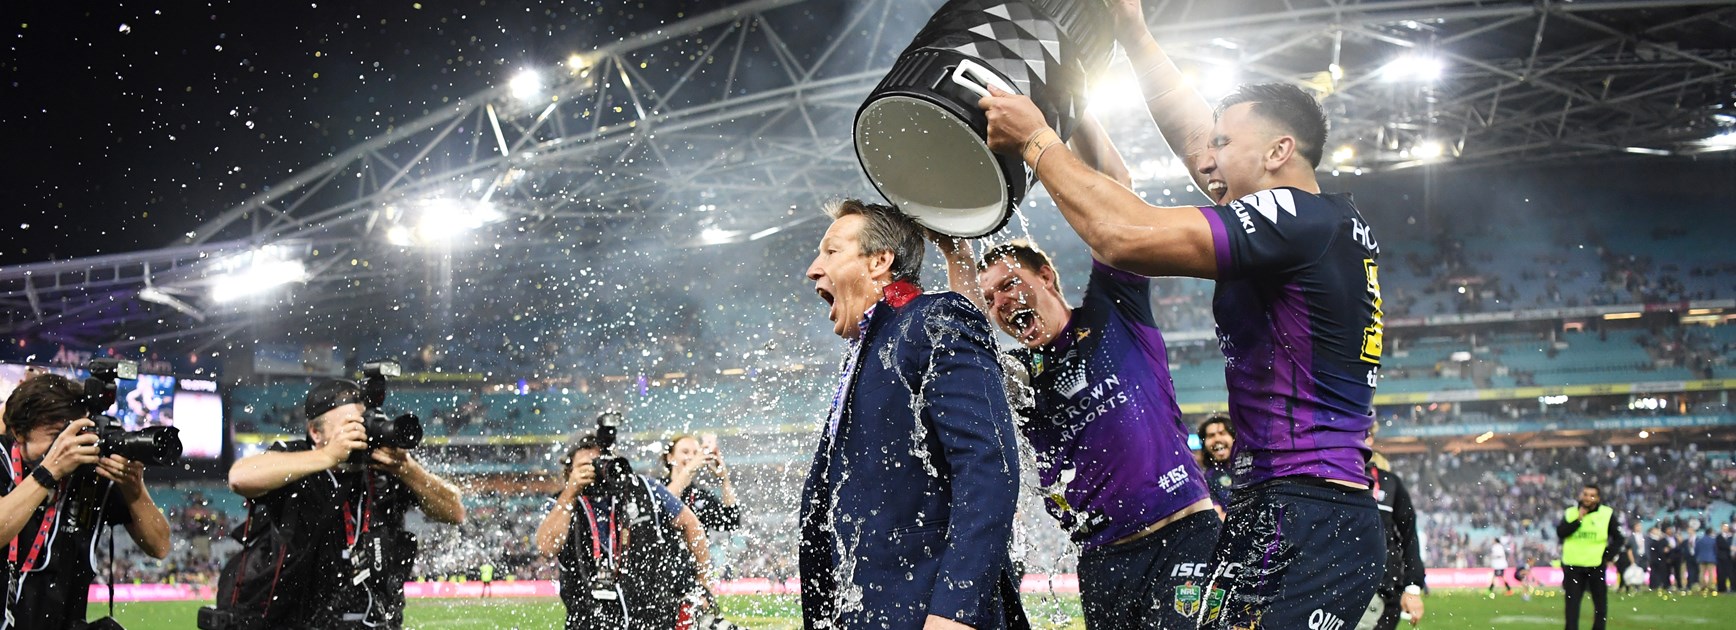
921 137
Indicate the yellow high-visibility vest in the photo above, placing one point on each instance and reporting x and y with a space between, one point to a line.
1584 548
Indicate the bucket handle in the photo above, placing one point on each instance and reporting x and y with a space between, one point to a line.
968 70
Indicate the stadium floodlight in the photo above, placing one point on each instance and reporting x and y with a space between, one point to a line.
1721 142
1344 154
1413 66
717 236
1116 91
526 85
400 236
442 218
1428 150
255 273
1218 81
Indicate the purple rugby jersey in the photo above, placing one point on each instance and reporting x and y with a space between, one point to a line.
1299 321
1110 445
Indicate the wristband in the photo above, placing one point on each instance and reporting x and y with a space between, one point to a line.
1413 590
1038 143
44 476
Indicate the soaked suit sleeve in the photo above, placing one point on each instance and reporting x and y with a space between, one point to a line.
967 405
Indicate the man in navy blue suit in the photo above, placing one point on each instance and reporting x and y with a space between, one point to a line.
907 513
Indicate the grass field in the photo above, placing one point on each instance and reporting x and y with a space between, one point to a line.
1446 610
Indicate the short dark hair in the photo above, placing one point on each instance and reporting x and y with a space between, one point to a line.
1594 486
1291 108
588 440
888 230
1217 418
43 399
1023 252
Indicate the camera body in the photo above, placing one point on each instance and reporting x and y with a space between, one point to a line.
614 473
404 431
151 446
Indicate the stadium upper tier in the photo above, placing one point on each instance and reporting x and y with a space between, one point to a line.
785 401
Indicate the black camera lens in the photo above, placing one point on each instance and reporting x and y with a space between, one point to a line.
151 446
404 431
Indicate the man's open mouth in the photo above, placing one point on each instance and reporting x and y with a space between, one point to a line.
1216 189
1024 321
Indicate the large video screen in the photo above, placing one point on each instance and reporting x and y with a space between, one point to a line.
191 405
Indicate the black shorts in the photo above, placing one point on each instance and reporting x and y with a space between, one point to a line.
1296 554
1155 582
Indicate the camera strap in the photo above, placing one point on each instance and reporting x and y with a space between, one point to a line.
48 518
596 538
351 515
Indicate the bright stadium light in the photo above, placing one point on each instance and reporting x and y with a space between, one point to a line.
255 273
1344 154
1413 67
442 219
526 85
1429 150
400 236
1218 81
1115 91
1721 142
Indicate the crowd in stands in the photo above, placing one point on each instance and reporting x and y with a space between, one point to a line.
1466 501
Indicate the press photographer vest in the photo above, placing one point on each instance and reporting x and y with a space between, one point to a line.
655 567
1585 546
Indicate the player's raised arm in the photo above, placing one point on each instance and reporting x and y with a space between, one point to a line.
1182 115
1120 228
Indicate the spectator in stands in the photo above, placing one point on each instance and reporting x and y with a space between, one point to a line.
605 582
52 510
688 459
346 518
1216 441
1401 590
1590 536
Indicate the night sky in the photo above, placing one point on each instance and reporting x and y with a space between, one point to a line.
126 126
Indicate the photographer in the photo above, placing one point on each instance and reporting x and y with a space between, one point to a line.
334 518
689 458
59 491
627 549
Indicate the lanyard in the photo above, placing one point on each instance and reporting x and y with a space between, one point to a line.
353 515
614 534
48 517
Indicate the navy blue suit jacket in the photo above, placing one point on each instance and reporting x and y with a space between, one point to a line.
908 509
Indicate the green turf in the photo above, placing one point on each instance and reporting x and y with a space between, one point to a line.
1460 609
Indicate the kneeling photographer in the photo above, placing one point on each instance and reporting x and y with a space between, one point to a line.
67 477
628 550
324 545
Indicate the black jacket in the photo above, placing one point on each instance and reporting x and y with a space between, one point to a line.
706 505
1404 561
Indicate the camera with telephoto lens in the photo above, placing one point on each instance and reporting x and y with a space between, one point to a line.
151 446
403 432
614 474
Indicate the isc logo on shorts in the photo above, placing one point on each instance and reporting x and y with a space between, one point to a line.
1190 569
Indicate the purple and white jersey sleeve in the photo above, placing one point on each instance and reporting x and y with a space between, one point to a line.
1298 313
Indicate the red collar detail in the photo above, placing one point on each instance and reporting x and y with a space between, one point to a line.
901 293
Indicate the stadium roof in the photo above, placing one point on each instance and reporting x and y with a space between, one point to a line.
729 126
